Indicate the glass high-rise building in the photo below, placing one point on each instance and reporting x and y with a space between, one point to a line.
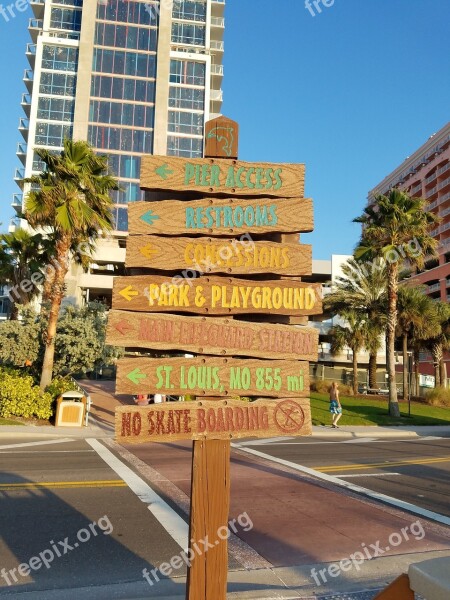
131 77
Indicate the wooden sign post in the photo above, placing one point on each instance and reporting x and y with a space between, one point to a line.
173 304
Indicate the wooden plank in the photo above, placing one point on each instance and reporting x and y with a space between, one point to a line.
215 176
209 335
213 376
216 296
211 255
221 216
210 505
222 420
399 589
221 138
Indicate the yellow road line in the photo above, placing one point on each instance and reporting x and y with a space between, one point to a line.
61 484
357 467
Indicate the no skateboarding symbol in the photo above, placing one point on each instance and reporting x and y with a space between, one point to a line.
289 416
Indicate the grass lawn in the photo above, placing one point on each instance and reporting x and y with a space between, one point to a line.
362 411
9 422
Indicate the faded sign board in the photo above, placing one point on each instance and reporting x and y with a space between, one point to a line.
223 419
221 216
216 295
215 176
209 335
213 376
212 255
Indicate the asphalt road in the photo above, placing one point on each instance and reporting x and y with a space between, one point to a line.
415 470
63 498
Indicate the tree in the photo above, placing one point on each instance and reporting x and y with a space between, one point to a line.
22 259
362 288
440 341
72 204
352 335
19 342
416 321
396 227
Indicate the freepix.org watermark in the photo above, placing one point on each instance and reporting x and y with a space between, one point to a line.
10 11
368 552
197 548
56 550
315 6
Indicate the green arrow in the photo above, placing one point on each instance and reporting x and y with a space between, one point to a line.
163 171
136 375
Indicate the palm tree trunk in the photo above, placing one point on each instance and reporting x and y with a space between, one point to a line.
373 370
416 372
437 352
14 314
50 275
355 370
62 252
405 366
392 268
443 372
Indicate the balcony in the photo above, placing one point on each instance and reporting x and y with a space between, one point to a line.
436 287
14 225
217 70
23 128
218 22
17 202
31 54
38 8
443 169
217 46
443 184
431 192
28 80
22 152
35 28
26 104
416 188
445 212
18 177
216 95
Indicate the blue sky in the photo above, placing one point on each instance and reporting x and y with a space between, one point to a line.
351 92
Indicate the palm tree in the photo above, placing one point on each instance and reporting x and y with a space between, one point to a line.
440 340
396 227
362 288
352 335
22 257
71 203
416 320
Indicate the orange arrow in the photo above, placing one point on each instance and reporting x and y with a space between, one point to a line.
148 251
123 326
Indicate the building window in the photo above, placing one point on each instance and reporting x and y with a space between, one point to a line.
125 166
59 58
115 138
57 84
138 13
187 72
52 134
124 36
184 146
186 122
187 33
189 98
119 62
123 89
116 113
189 10
55 109
65 18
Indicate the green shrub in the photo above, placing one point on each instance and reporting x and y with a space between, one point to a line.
19 397
440 396
59 385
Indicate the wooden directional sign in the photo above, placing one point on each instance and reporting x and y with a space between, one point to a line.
221 216
213 376
220 420
205 335
216 296
215 176
212 255
221 138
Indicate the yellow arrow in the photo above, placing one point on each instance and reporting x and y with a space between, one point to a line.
148 251
128 293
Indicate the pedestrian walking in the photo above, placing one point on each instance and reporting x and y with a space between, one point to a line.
335 405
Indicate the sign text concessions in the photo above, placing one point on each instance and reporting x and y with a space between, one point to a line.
222 420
